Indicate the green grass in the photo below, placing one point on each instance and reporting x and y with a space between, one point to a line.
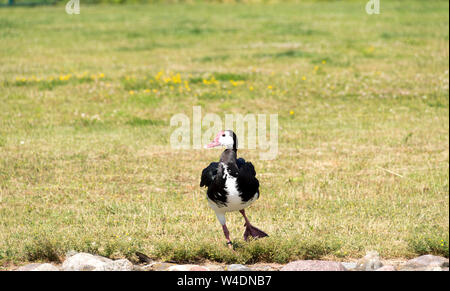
85 160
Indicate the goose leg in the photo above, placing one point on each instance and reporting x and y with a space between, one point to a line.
251 230
227 236
221 218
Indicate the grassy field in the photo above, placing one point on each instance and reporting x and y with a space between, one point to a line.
363 104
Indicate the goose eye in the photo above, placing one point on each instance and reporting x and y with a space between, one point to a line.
223 135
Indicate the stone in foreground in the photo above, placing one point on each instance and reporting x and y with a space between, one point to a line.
213 267
38 267
387 268
118 265
262 267
313 265
88 262
349 265
425 263
187 268
85 262
237 267
161 266
370 262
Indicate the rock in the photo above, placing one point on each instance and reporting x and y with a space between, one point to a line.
38 267
387 268
237 267
425 263
212 267
313 265
118 265
198 268
370 262
29 267
263 268
139 268
71 253
180 267
187 268
349 265
148 267
84 262
88 262
161 266
46 267
431 268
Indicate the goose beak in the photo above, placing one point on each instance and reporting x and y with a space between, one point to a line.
212 145
215 142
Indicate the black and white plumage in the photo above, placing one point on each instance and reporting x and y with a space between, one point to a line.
247 184
232 184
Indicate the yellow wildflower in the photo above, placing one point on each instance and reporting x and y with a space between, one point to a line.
176 79
158 76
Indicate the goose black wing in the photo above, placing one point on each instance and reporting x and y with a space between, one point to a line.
208 174
246 167
248 184
240 162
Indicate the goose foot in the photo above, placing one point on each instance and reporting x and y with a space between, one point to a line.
252 231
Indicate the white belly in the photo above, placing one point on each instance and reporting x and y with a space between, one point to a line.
234 201
233 204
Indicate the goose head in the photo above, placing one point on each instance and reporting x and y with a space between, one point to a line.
225 138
